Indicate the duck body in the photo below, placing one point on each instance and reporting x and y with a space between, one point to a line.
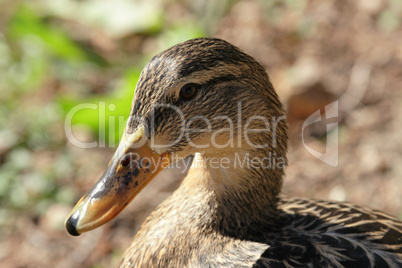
207 99
188 230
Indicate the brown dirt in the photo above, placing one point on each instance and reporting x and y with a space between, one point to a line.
343 46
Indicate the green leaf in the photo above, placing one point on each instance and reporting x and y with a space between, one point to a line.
106 115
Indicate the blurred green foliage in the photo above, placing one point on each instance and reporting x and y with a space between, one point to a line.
58 55
55 56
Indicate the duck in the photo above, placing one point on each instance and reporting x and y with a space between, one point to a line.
207 100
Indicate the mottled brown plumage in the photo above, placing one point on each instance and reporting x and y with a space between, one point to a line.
201 225
234 216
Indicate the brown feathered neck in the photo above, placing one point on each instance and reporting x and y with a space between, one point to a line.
247 180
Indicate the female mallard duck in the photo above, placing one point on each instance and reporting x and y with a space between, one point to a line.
208 99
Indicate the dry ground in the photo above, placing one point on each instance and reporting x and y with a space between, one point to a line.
330 50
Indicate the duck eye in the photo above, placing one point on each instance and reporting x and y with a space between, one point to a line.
188 91
126 160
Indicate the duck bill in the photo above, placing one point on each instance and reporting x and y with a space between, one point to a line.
132 167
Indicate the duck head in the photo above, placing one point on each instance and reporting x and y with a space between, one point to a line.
201 96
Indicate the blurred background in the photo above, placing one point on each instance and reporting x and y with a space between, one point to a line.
55 55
